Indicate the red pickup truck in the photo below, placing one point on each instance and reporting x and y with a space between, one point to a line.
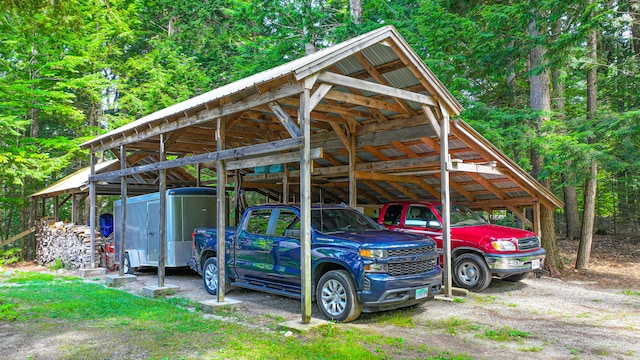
479 250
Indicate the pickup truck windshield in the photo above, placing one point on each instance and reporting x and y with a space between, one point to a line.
462 216
341 220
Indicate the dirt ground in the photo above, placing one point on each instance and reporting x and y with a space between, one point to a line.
592 314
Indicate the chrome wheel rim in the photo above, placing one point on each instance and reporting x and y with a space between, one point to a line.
211 276
468 273
334 297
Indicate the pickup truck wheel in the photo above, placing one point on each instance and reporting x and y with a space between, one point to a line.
471 272
336 296
127 268
210 276
516 277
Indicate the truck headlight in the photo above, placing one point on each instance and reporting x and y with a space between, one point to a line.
503 245
373 253
377 268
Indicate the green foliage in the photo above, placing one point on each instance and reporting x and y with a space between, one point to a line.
505 334
56 265
9 256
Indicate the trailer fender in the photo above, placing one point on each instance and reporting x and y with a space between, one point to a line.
134 257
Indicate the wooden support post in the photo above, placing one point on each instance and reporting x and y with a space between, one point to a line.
285 184
445 199
92 209
44 205
199 174
220 195
537 227
74 209
123 220
353 190
305 204
163 215
56 208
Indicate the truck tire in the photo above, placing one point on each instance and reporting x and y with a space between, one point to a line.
127 268
336 296
471 272
517 277
210 277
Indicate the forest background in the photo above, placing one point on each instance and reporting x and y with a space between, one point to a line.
554 84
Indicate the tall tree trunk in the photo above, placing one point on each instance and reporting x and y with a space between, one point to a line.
568 187
634 12
307 26
540 99
586 236
355 6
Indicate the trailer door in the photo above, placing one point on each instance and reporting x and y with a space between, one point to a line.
153 232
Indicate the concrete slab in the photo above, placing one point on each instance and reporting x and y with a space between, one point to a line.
87 273
297 325
210 305
117 280
155 291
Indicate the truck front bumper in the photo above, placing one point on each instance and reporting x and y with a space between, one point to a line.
509 264
385 292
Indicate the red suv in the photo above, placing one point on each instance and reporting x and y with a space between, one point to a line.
479 250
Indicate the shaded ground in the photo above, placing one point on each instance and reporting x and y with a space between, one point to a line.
593 314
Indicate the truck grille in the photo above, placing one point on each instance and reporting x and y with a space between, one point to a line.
409 268
531 242
412 251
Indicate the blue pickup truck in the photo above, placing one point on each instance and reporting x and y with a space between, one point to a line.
356 266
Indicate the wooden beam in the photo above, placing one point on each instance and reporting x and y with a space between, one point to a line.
388 196
376 152
237 153
316 153
400 146
488 185
341 135
363 101
338 79
18 237
518 213
319 94
432 119
284 119
380 79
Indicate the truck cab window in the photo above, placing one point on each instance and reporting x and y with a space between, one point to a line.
288 224
392 215
258 222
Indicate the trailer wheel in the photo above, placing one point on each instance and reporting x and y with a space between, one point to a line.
210 277
471 272
127 268
336 296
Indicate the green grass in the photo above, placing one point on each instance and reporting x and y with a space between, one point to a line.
504 334
451 325
399 317
632 293
90 320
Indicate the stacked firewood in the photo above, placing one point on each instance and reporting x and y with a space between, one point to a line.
68 242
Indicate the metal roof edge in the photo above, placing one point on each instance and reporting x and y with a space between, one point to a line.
542 190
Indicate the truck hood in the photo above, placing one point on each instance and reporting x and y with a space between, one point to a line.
375 238
488 232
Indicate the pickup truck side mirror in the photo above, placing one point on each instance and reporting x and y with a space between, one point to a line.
434 224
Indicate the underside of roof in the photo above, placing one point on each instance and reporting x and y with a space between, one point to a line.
376 111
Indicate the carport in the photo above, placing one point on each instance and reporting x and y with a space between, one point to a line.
364 121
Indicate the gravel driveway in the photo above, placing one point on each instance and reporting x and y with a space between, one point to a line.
536 318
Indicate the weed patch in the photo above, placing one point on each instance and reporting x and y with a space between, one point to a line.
504 334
